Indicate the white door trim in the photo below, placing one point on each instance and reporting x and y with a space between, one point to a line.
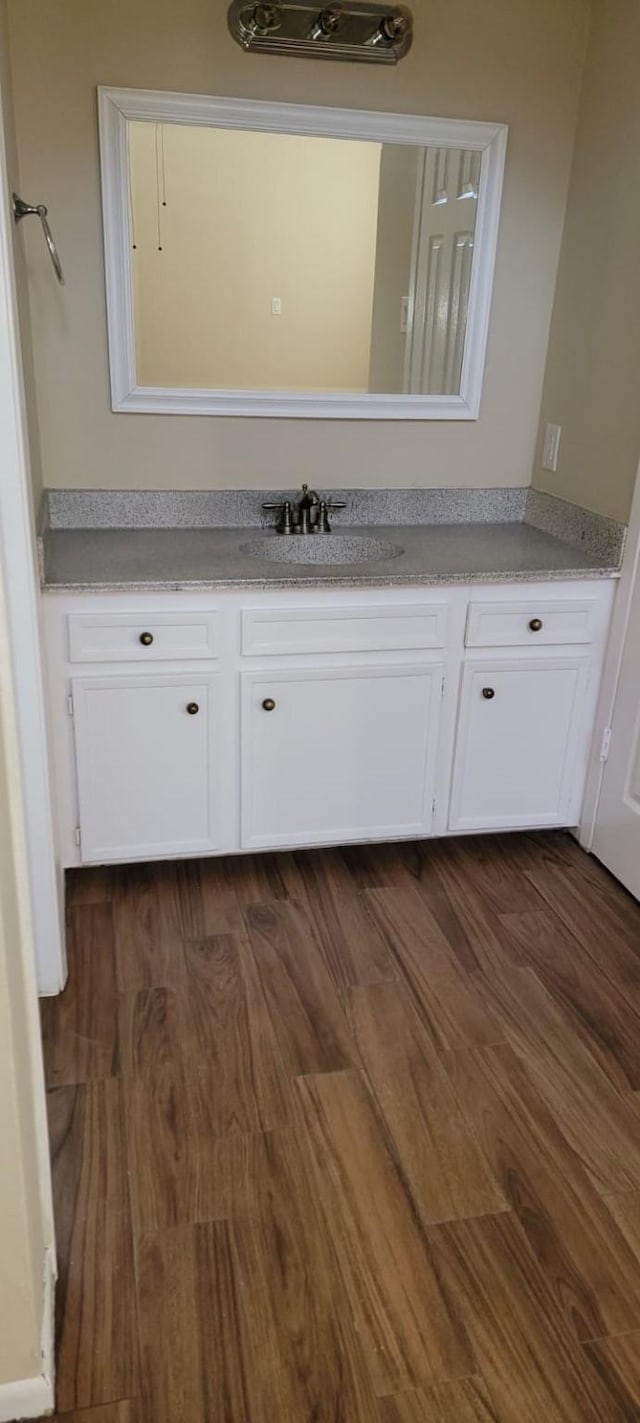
30 1398
611 673
19 562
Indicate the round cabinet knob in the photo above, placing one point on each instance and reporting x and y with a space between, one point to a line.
193 708
488 693
535 625
146 639
268 704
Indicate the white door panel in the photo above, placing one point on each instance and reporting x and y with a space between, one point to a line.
144 764
518 733
442 258
344 754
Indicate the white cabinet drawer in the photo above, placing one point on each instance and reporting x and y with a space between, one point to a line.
141 637
270 631
538 624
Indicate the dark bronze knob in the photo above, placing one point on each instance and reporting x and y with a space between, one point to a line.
488 693
535 625
193 708
146 639
268 704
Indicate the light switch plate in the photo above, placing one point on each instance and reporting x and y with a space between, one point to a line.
551 447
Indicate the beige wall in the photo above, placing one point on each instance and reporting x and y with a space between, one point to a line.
22 291
592 384
249 217
510 60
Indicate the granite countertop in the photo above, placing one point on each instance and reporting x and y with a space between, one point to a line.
154 559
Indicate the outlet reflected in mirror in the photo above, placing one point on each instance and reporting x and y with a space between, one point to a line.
299 263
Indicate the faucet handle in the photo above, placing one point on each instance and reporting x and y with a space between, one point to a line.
322 525
285 522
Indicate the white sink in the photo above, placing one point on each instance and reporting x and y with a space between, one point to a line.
341 549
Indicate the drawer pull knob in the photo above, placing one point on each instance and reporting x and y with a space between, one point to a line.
146 639
488 693
268 704
535 625
193 708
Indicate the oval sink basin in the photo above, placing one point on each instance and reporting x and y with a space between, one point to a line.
322 549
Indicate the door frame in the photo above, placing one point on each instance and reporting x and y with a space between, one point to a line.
629 576
35 871
20 564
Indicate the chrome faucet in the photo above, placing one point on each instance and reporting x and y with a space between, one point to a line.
309 515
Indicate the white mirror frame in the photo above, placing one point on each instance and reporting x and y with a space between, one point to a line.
118 106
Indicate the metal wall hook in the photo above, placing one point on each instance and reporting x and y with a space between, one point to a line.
22 209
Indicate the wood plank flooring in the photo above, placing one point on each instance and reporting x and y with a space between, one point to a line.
349 1137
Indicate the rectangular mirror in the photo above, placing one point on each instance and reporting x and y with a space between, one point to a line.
280 260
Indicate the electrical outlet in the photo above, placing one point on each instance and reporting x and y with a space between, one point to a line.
551 447
276 306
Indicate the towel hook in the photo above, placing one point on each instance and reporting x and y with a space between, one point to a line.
22 209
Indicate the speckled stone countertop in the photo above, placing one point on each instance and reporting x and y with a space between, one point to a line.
155 559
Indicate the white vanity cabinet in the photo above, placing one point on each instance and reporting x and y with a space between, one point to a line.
144 747
521 737
323 716
338 754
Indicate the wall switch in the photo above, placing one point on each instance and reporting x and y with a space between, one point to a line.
276 306
551 446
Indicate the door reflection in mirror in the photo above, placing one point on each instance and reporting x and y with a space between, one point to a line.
275 261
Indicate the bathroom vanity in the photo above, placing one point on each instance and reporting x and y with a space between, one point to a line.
275 705
220 689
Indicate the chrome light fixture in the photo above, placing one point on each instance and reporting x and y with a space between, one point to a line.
373 33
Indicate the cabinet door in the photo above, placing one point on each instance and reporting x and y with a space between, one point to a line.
520 743
338 754
144 748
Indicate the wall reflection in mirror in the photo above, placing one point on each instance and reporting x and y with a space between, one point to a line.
268 261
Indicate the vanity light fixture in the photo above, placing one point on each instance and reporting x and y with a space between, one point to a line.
371 33
441 198
468 191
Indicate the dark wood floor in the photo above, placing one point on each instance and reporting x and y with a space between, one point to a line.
350 1137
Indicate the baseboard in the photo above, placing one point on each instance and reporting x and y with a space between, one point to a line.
34 1397
26 1398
